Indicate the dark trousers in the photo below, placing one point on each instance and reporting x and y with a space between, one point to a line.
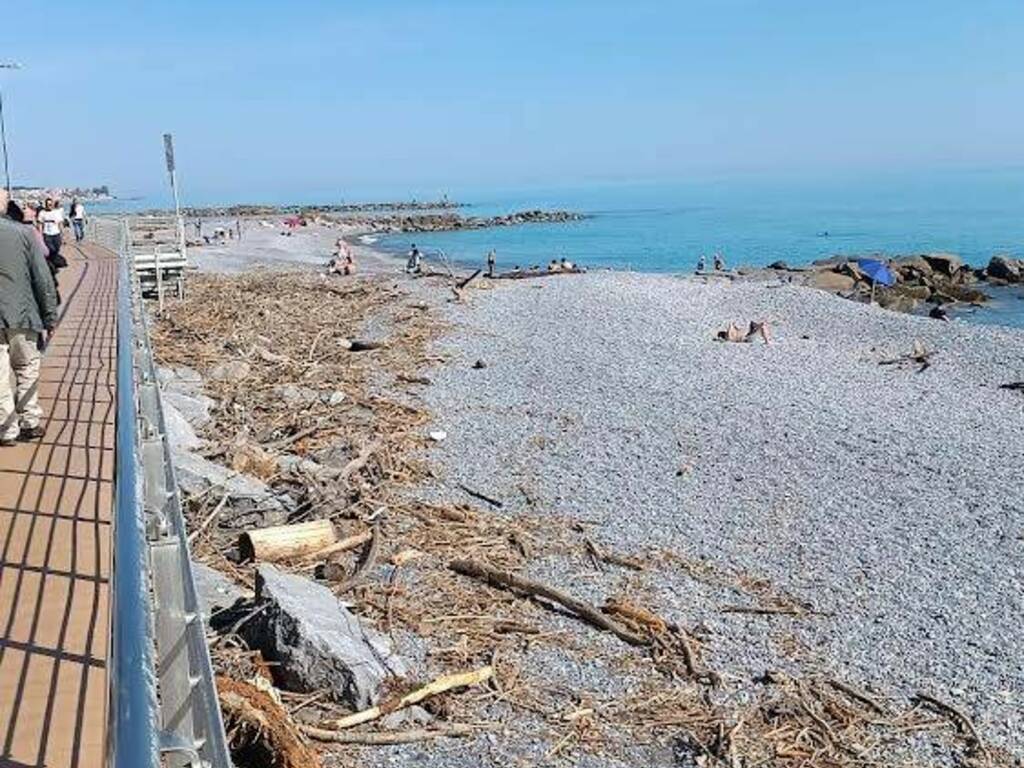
53 243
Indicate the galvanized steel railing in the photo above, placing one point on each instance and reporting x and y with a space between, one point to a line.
163 702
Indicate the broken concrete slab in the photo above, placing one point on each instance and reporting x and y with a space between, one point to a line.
316 643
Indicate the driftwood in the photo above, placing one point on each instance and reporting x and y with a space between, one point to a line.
963 722
259 727
358 463
598 556
367 560
464 283
433 688
283 542
388 737
349 542
510 581
360 345
482 496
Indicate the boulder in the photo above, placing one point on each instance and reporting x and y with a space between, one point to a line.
214 590
913 264
897 302
1005 268
252 500
778 265
831 281
916 292
195 409
946 263
316 643
230 371
180 379
965 294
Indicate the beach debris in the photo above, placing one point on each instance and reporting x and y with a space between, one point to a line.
433 688
918 355
260 732
413 379
479 365
359 345
336 398
500 579
437 435
1017 386
315 643
286 542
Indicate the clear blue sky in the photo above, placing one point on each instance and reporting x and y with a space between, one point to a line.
373 98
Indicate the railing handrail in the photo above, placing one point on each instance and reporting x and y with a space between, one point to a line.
133 708
163 708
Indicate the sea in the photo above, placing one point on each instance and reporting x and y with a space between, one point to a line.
667 227
752 220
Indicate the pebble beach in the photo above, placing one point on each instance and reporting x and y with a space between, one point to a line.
886 499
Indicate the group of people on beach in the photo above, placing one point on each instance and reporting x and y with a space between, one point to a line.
718 263
30 243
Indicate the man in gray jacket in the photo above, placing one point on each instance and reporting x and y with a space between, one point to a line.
28 309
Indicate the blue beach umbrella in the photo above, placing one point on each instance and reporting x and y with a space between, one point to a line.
879 273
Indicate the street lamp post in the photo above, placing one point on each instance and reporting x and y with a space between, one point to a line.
3 130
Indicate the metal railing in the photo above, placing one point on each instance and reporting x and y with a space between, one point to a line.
163 702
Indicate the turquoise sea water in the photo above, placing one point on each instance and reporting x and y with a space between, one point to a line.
665 227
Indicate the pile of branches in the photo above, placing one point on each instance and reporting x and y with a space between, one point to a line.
453 575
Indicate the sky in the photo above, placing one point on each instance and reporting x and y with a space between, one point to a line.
346 100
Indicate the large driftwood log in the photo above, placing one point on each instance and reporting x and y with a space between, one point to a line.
510 581
283 542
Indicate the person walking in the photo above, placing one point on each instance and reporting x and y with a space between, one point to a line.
28 315
51 219
78 220
492 259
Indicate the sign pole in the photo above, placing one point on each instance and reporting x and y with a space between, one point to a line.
169 155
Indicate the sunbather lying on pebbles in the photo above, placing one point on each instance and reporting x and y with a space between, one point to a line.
737 334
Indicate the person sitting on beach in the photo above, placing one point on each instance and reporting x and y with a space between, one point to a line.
939 312
702 263
566 265
554 266
735 333
719 262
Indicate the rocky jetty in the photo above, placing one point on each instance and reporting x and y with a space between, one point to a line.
450 222
257 209
936 278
